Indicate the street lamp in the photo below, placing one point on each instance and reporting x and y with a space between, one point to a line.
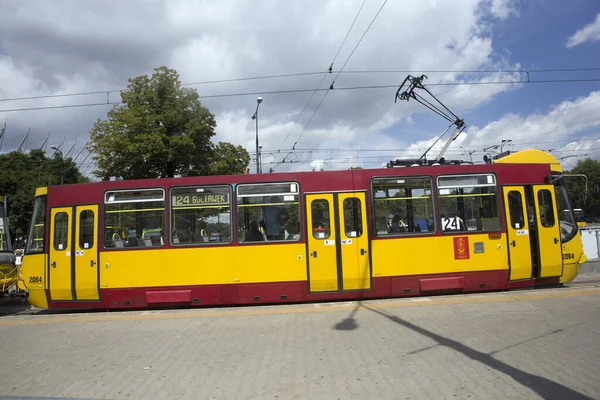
61 159
502 144
255 117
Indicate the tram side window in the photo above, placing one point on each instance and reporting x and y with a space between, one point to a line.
61 231
352 217
268 212
134 218
321 221
468 203
515 207
86 229
546 208
201 215
403 206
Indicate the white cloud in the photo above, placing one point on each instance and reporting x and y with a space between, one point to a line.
589 33
502 9
70 46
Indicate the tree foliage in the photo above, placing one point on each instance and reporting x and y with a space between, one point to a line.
21 174
228 159
590 202
161 130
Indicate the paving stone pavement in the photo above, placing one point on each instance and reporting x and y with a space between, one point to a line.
514 345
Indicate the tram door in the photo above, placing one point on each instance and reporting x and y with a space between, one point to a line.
548 231
519 244
86 253
74 253
61 237
337 242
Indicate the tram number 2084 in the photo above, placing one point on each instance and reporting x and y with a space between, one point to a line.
568 256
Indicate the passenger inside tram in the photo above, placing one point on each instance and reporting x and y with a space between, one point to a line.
254 234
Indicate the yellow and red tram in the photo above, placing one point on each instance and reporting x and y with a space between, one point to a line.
308 236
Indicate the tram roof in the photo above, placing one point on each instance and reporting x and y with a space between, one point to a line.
507 168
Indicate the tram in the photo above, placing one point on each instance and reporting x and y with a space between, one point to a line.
307 236
8 269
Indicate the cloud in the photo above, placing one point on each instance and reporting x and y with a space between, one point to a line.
502 9
569 128
589 33
70 46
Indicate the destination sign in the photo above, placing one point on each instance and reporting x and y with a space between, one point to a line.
205 199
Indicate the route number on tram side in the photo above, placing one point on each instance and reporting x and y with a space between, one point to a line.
451 224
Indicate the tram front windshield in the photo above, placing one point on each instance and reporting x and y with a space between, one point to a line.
4 241
568 226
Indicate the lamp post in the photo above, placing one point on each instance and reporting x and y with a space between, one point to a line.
502 144
255 117
61 159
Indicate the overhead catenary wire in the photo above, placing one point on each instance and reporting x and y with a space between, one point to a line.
300 74
331 87
324 75
371 87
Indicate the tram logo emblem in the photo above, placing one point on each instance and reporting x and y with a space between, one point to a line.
461 248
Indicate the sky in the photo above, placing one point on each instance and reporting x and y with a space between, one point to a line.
462 46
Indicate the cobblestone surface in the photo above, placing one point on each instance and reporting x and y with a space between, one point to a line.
515 345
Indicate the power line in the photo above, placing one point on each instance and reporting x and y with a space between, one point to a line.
324 75
341 69
49 96
241 94
360 40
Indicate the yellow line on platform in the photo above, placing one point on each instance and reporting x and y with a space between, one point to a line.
500 297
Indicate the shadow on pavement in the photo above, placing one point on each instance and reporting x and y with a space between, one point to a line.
544 387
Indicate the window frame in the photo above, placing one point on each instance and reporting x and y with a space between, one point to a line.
103 215
404 234
553 207
209 243
67 227
498 192
312 214
39 203
301 217
357 218
80 230
521 205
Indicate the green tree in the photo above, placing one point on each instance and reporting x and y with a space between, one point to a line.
589 202
228 159
160 130
21 174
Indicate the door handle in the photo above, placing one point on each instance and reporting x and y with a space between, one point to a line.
53 264
513 243
363 252
314 254
92 263
555 241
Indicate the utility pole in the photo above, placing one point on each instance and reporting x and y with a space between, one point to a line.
255 117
